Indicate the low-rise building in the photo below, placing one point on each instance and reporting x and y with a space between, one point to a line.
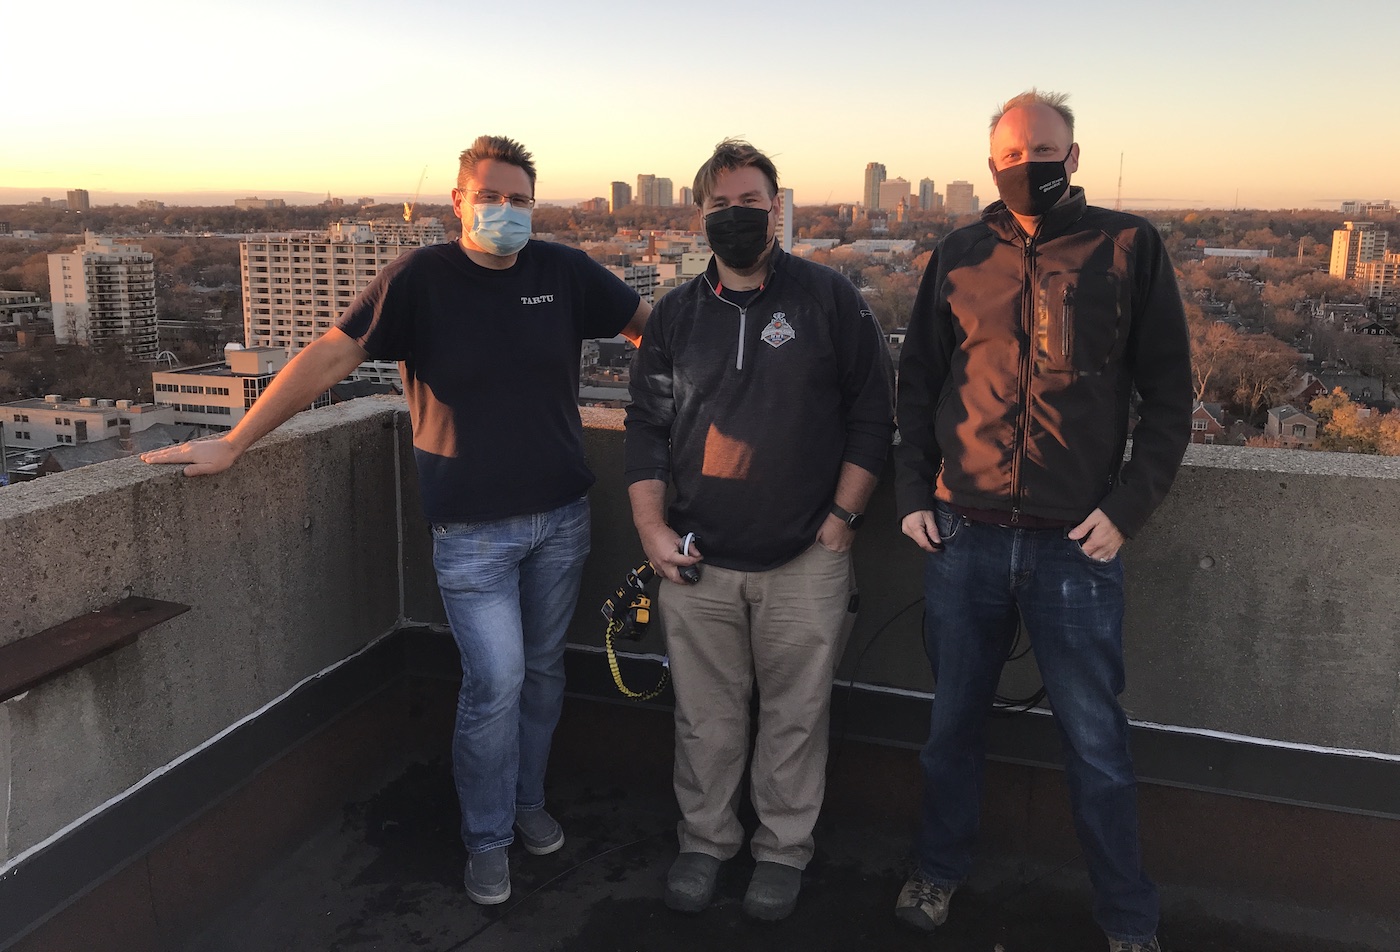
40 423
1207 423
217 395
1291 426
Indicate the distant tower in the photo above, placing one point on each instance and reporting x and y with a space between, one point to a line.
78 200
646 189
928 195
874 175
959 199
621 195
892 193
687 195
665 192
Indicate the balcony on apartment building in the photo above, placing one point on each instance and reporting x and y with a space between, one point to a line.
229 702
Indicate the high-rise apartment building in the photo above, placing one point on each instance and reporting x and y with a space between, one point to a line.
646 190
105 293
295 286
960 199
621 194
665 192
642 278
687 195
892 193
1381 278
1355 244
874 175
78 200
929 199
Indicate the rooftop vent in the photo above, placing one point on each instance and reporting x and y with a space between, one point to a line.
54 399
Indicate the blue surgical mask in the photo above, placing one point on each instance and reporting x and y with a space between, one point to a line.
500 229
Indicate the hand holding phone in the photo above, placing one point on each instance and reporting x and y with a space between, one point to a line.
689 573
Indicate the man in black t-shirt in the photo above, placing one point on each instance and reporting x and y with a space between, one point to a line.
488 332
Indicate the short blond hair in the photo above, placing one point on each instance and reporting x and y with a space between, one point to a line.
1034 97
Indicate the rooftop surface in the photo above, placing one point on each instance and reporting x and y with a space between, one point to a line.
385 874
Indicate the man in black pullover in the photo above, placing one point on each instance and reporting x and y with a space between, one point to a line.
761 393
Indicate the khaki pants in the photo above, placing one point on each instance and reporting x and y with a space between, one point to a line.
784 629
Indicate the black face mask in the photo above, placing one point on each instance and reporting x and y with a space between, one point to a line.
1033 188
738 235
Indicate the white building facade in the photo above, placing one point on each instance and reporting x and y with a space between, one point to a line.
295 286
105 293
217 395
40 423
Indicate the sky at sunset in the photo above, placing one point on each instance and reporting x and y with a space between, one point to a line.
1260 104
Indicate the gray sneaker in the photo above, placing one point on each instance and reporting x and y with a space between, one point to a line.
772 891
690 883
539 831
923 904
488 876
1122 945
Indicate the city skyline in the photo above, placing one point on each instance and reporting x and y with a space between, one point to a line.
1205 103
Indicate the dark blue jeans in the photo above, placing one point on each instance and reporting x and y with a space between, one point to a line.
986 578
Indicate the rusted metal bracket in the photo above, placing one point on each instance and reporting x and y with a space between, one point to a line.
41 657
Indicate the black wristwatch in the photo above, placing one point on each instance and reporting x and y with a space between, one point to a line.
851 519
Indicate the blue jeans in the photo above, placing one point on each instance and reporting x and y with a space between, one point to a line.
509 587
986 578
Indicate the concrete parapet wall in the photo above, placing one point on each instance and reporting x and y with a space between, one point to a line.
1262 597
289 562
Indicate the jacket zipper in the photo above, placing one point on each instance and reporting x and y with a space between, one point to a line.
1018 452
743 320
1066 315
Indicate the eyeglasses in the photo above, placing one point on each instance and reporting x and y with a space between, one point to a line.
485 196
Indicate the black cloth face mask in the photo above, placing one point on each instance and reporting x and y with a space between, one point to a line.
738 235
1033 188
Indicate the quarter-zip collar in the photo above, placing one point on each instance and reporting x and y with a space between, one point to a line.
712 280
774 259
1056 221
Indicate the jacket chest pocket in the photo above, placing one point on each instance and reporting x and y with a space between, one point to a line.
1078 321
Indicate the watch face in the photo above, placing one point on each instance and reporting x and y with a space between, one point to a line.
855 520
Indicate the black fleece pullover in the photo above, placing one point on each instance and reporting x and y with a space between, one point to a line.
750 411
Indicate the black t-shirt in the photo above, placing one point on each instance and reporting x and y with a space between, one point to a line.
490 363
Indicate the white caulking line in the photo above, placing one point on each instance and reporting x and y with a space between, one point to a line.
9 773
161 771
1172 728
1267 742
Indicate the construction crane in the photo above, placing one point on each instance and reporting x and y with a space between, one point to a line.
409 206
